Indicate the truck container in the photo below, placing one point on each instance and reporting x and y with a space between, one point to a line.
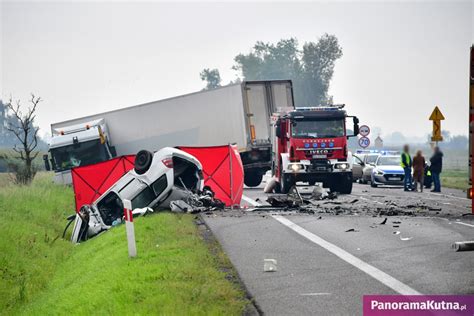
234 114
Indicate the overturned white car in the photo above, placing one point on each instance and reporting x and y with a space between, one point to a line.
156 180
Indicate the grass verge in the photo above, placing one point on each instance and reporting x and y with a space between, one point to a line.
174 273
455 178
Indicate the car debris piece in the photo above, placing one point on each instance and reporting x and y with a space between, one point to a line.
396 232
434 209
269 265
351 230
271 185
405 238
463 246
396 222
384 221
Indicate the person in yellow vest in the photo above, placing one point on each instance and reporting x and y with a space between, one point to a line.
406 164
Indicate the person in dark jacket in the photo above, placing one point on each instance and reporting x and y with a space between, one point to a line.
436 168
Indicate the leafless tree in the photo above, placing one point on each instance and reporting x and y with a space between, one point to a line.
22 126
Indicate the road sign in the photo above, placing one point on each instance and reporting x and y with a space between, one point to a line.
364 142
364 130
436 116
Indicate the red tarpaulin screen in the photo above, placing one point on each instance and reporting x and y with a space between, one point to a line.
90 182
223 171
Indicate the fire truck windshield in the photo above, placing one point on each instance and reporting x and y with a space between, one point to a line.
317 128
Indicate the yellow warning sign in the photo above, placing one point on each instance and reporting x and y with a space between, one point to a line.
436 116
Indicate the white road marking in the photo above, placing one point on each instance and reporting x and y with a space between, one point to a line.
377 274
466 224
314 294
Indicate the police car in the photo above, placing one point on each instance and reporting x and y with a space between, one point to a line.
387 171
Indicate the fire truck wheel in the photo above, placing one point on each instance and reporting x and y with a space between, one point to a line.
143 161
252 178
345 186
286 183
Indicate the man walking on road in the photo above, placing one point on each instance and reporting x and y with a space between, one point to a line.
436 168
418 170
406 165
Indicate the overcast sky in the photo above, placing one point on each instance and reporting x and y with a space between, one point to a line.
400 59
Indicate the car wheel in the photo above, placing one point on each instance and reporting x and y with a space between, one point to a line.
372 183
143 161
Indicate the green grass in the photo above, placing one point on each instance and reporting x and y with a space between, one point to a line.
174 273
455 178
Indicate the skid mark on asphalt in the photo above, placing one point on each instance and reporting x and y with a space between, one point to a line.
375 273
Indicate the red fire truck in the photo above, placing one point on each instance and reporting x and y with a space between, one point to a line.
311 146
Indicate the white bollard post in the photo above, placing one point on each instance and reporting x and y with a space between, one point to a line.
132 246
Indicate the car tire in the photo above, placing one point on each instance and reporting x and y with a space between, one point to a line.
143 161
372 183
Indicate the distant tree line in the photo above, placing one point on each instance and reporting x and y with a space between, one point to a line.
310 68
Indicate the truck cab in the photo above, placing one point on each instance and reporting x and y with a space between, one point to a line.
77 145
311 146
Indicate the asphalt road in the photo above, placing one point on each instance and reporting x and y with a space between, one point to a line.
324 270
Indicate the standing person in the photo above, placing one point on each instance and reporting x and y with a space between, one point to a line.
418 170
406 164
436 168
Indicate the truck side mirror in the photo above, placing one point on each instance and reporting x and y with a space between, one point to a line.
278 131
47 166
356 126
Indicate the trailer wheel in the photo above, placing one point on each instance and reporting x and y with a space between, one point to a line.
252 178
143 161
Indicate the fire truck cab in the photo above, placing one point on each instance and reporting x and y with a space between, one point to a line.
311 146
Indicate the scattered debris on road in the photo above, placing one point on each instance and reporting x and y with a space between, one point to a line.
351 230
269 265
406 238
463 246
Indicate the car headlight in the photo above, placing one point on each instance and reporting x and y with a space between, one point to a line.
295 167
378 172
342 166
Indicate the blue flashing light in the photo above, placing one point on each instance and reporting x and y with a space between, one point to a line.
323 145
331 144
306 145
315 145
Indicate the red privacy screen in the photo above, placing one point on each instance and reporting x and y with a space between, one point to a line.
90 182
222 169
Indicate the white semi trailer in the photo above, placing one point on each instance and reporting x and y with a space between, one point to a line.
234 114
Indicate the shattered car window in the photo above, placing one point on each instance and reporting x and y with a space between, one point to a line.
110 208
